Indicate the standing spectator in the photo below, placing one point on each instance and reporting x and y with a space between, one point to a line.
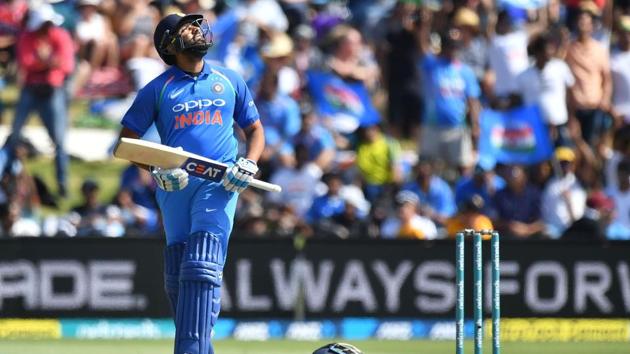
435 195
508 54
407 223
474 49
590 65
563 199
451 109
518 206
545 84
621 197
599 213
620 68
350 58
378 160
46 58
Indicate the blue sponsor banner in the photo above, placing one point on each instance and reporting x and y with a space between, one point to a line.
518 136
347 103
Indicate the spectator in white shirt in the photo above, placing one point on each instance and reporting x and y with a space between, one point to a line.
620 69
564 199
407 224
545 84
621 196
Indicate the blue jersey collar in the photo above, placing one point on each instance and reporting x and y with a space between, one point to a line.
205 71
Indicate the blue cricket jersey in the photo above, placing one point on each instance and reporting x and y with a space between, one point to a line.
196 113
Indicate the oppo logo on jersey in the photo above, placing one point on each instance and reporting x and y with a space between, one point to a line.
198 104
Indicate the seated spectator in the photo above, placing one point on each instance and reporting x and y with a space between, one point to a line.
563 199
621 197
317 139
17 183
330 204
12 14
469 216
299 183
484 183
593 225
620 151
518 209
14 225
96 40
407 223
93 218
141 186
351 221
436 196
137 219
378 160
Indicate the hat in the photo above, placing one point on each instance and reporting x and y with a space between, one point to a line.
624 23
466 17
564 153
280 45
600 201
403 197
42 14
589 7
304 32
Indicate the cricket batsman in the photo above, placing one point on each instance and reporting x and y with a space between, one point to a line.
194 105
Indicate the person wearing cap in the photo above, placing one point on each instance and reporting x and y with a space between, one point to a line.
279 112
469 216
620 70
474 48
483 182
407 223
196 105
599 214
564 198
590 64
45 58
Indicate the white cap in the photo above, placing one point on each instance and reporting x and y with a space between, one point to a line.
42 14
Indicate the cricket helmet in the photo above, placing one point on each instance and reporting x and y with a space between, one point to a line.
166 33
338 348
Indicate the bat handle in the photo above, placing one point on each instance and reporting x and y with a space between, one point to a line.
266 186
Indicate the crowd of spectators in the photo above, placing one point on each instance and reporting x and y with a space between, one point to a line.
430 69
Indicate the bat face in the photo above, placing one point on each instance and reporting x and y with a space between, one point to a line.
204 169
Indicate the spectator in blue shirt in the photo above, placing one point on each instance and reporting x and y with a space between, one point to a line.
436 197
483 182
450 121
329 204
318 140
518 206
280 115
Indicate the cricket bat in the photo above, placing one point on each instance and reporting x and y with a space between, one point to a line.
153 154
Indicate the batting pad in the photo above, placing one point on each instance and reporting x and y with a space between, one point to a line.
199 299
172 262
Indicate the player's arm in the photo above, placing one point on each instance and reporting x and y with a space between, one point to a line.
255 137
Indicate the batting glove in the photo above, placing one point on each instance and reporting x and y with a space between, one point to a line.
240 175
171 179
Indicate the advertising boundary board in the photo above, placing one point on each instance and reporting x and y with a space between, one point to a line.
122 278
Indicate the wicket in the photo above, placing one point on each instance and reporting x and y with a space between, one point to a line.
477 237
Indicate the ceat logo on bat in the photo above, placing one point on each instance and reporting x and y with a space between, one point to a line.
204 169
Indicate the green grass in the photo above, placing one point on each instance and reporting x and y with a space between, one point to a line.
292 347
106 173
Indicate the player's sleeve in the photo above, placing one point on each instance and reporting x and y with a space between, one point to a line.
245 111
142 112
